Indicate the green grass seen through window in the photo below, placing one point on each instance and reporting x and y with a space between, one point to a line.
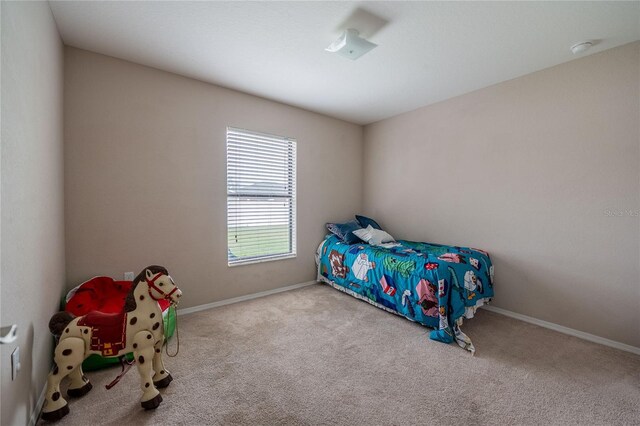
250 241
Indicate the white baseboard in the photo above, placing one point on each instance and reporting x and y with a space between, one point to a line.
212 305
565 330
35 414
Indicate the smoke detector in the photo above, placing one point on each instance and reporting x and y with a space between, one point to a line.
350 45
581 47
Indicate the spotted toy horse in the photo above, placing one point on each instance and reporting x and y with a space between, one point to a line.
138 329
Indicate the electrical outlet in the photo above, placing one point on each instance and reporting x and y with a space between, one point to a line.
128 276
15 363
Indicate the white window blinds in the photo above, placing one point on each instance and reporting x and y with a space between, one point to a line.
261 196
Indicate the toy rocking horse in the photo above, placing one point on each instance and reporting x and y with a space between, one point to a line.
138 329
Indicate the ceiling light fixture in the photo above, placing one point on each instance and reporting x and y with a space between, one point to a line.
581 47
350 45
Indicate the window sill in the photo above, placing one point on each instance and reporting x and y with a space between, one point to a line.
261 260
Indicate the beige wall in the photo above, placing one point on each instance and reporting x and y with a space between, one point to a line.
527 169
145 176
32 222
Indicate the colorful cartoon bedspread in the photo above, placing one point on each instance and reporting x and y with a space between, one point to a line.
432 284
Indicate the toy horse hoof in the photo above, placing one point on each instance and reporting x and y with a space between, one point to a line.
54 416
77 393
164 382
152 403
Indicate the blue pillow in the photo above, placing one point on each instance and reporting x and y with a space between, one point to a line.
344 231
366 221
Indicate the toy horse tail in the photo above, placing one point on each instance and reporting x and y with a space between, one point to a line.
59 321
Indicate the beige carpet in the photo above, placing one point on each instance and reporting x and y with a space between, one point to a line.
318 356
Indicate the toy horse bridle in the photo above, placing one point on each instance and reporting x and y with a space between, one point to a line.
152 285
166 296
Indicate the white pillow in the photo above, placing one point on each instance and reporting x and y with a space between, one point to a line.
379 236
363 233
373 236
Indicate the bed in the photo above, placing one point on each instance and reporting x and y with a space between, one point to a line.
432 284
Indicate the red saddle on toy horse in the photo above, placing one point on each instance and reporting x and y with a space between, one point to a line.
108 331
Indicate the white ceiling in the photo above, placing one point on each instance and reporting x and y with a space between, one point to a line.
428 51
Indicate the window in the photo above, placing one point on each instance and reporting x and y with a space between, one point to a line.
261 197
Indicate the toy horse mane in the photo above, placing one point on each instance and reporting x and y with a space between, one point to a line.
130 302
